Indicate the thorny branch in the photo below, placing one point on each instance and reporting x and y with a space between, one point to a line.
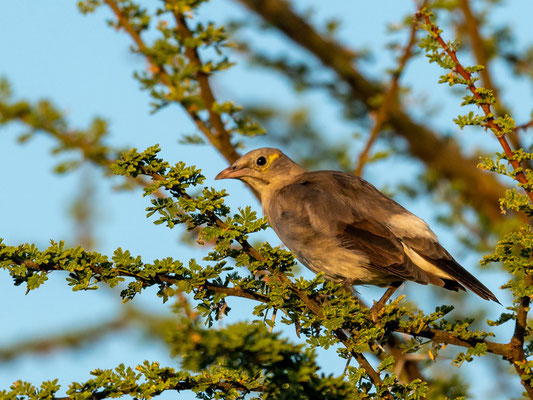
205 89
515 352
489 122
471 23
437 336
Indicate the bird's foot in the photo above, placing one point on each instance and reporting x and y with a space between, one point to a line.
347 285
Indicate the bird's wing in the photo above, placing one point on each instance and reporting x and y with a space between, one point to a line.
420 243
320 204
433 253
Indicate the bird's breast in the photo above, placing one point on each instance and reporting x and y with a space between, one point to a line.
322 254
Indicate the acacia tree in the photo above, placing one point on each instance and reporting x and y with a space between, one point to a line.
386 356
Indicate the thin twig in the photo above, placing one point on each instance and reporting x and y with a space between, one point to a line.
438 336
272 320
70 339
471 24
389 99
73 140
525 126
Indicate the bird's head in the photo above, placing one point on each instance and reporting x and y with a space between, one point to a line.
263 169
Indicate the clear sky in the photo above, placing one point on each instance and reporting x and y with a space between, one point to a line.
50 50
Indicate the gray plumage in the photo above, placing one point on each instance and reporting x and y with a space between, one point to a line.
341 225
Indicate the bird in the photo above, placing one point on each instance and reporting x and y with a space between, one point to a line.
341 225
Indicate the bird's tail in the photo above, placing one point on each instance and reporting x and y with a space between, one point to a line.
461 277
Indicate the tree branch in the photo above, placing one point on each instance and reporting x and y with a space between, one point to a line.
205 88
438 336
433 334
158 278
489 122
69 340
471 24
517 341
515 352
390 97
224 386
220 139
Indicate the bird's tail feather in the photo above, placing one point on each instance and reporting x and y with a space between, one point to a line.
461 277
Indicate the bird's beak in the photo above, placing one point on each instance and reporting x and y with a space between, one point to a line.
232 172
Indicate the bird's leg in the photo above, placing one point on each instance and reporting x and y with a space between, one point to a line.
381 302
347 365
347 285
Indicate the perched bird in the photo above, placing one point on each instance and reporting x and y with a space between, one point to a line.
341 225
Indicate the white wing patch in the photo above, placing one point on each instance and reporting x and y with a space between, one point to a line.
410 225
425 265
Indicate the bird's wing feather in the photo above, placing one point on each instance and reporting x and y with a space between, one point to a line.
437 255
324 205
384 251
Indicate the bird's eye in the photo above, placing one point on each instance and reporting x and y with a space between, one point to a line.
261 161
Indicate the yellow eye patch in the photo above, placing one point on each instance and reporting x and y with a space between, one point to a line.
270 159
264 162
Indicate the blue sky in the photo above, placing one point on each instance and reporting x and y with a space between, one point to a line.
50 50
